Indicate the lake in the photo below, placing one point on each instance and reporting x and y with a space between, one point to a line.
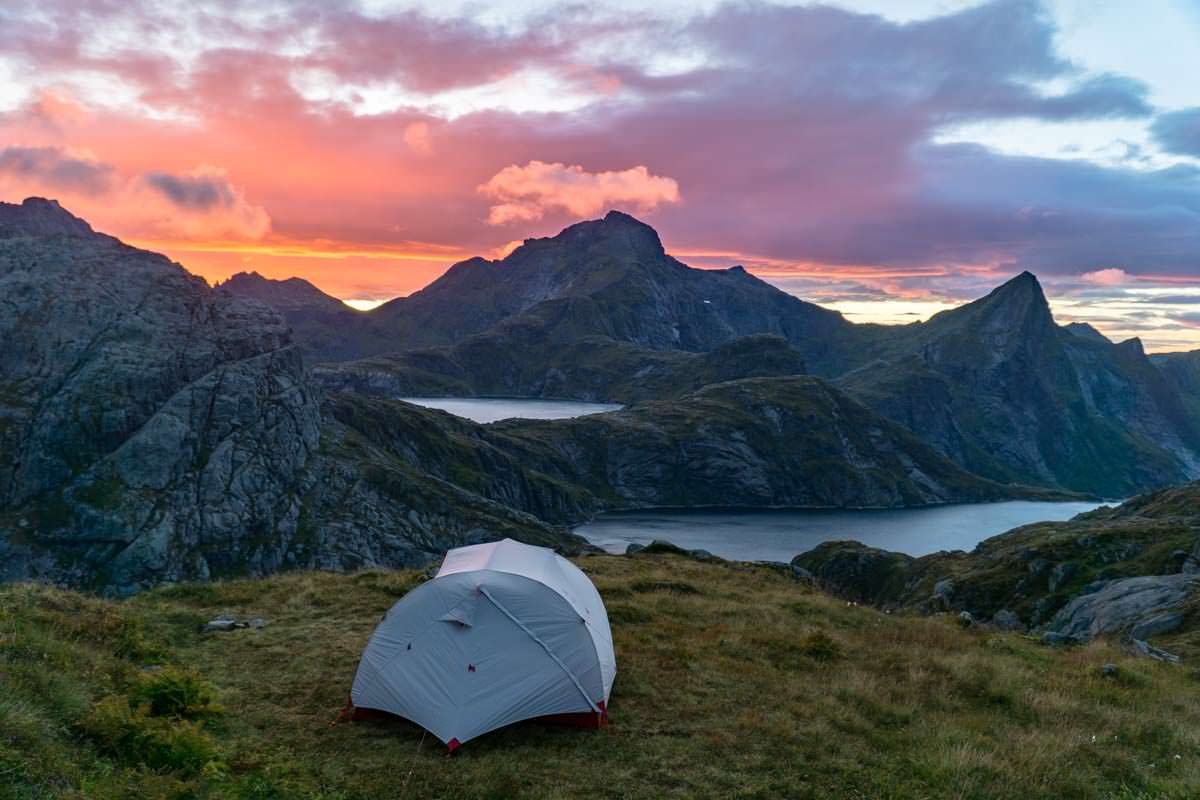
488 409
780 535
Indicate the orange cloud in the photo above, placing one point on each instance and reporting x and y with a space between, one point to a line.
527 193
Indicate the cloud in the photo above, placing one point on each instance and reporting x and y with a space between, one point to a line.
527 193
212 206
56 168
810 136
201 191
1106 277
1179 131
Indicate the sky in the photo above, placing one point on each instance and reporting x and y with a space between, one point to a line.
885 158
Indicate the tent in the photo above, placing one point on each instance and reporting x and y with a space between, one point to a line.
504 632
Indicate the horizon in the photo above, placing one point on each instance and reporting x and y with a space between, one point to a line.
886 160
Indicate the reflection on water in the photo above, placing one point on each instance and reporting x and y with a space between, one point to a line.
492 409
772 535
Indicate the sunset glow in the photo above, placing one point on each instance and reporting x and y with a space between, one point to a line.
936 150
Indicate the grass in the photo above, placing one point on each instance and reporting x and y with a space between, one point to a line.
745 684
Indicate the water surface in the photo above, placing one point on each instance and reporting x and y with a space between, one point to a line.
772 535
487 409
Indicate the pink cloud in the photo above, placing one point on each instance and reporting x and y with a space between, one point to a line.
1106 277
527 193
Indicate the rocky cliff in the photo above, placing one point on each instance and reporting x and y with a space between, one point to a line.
1002 390
153 429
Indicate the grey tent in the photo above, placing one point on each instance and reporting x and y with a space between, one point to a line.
504 632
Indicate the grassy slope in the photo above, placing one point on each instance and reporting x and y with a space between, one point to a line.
734 681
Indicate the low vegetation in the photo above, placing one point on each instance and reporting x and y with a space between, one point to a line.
734 681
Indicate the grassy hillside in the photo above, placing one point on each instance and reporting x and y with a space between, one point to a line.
734 681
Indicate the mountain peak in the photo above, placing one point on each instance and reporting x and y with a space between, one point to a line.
38 216
1022 294
618 231
284 295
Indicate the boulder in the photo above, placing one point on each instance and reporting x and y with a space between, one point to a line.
853 570
1006 620
1121 605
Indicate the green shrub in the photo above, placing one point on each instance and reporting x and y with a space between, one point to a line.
131 734
820 646
182 694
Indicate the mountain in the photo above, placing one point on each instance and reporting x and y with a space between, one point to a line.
154 429
1182 371
323 327
600 312
608 277
758 442
1005 392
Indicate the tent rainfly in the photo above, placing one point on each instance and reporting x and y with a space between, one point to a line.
504 632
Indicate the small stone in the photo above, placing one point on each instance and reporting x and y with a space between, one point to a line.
257 623
1006 620
1109 670
221 624
965 619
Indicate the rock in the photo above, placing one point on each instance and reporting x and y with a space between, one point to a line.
1121 605
943 592
965 619
256 623
1109 670
853 570
1006 620
1061 574
1142 648
661 546
1157 625
221 624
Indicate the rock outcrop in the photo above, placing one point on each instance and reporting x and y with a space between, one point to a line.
1128 570
1133 606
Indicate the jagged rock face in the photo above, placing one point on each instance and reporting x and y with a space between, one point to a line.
1003 391
37 216
144 419
155 430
